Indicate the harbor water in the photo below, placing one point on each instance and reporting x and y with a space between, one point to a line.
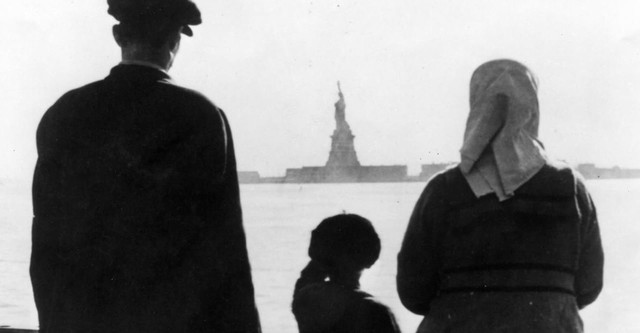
278 221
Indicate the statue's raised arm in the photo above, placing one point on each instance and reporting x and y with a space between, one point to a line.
340 106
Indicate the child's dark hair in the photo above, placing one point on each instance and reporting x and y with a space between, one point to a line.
343 237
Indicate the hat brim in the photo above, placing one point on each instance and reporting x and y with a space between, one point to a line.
187 30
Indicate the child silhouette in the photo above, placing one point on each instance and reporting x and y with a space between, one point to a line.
327 297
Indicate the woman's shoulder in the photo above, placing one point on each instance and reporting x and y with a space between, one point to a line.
555 179
448 187
450 172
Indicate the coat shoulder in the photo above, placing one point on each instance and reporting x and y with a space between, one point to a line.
194 97
200 107
554 180
74 95
67 105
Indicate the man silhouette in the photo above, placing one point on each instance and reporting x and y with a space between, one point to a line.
137 221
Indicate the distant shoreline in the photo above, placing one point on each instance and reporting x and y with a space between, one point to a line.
587 170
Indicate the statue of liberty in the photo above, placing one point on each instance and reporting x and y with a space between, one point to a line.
342 153
340 106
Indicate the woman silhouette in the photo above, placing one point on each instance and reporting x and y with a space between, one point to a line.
507 241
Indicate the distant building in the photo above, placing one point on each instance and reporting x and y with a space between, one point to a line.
248 177
590 171
364 174
428 170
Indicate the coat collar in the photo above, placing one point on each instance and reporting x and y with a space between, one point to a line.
138 73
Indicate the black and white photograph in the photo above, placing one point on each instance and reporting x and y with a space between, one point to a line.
319 166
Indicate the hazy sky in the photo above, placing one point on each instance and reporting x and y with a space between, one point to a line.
404 67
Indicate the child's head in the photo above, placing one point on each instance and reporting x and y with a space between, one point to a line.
345 242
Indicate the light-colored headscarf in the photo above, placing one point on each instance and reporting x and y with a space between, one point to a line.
501 150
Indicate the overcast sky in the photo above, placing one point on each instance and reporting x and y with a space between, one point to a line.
404 66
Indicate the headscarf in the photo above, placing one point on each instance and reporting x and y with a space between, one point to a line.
501 150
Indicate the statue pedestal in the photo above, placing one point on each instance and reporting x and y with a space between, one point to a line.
343 152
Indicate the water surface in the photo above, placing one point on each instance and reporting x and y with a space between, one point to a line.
279 219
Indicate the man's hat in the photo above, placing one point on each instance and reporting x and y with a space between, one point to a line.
156 12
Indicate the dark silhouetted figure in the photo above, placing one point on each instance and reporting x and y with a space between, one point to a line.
507 241
327 296
138 226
